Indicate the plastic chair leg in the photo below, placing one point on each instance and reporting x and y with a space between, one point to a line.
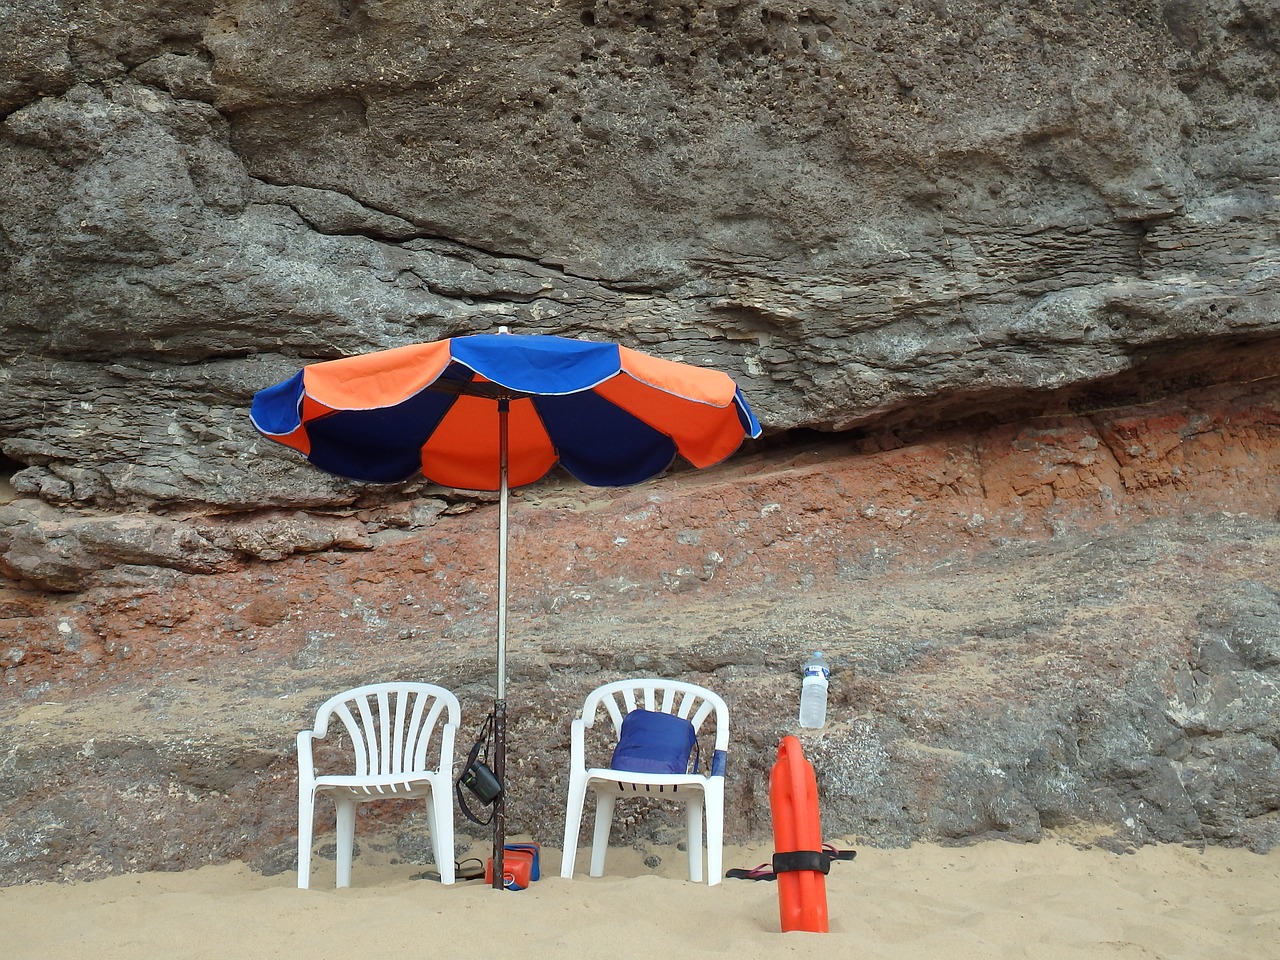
714 803
346 839
440 816
600 839
693 835
572 826
306 817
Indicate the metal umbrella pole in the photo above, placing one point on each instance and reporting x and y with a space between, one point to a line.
500 703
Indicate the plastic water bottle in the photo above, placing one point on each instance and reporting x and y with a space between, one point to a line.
813 693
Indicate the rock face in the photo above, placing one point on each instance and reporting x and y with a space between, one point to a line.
857 211
1003 285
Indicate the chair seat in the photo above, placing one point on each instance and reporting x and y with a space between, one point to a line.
410 787
627 781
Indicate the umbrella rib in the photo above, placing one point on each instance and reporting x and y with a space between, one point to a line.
477 388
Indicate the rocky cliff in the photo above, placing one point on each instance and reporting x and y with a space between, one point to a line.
1002 284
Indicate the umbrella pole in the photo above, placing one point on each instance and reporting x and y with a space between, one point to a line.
500 704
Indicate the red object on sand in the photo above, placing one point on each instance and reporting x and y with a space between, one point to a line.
793 802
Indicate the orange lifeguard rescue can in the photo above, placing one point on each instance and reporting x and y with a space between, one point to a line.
797 841
520 865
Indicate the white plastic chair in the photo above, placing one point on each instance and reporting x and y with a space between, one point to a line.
391 727
699 792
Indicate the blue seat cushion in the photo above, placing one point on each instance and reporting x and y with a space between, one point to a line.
653 742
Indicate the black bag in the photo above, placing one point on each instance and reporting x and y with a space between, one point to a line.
477 777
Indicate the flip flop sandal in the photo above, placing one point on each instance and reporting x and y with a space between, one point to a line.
834 854
762 872
463 872
765 870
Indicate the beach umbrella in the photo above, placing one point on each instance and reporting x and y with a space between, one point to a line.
494 411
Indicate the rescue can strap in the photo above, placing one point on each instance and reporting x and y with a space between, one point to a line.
802 860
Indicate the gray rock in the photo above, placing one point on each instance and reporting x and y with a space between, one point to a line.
855 214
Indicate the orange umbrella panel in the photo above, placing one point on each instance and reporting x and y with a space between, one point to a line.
610 416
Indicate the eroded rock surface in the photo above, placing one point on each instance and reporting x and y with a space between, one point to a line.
1055 628
855 210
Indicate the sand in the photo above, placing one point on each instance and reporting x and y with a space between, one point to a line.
991 900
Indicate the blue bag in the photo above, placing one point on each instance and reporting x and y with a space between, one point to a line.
653 742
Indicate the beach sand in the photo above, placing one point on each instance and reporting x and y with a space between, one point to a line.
989 900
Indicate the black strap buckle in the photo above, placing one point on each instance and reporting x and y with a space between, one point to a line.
802 860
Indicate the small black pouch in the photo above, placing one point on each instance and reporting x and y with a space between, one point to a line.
478 777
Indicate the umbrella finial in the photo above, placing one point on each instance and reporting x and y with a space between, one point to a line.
504 330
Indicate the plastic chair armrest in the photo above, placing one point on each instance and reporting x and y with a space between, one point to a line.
306 765
578 744
718 761
448 734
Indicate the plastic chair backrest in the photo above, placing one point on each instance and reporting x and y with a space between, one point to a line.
390 724
688 700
